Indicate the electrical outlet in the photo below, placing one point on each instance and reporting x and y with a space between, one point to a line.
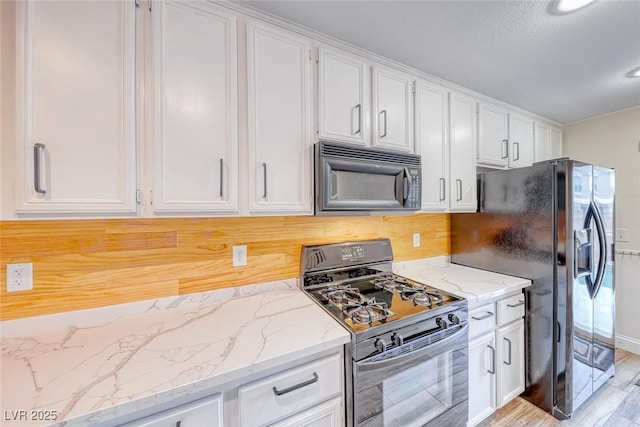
416 240
622 234
239 256
19 277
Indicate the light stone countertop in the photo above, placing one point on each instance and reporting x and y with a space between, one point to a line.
473 284
93 365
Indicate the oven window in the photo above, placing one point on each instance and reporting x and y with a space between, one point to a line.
424 392
349 185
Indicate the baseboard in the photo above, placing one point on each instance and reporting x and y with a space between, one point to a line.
628 344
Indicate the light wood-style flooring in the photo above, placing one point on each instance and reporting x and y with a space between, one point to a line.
616 404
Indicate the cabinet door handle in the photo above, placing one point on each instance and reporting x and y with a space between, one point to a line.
359 108
493 360
505 148
296 387
509 352
221 177
516 151
264 180
458 190
520 302
37 184
178 423
443 189
485 316
385 123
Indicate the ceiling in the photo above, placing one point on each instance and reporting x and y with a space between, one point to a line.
563 67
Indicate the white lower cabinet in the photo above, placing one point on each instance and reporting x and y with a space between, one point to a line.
328 414
206 412
496 355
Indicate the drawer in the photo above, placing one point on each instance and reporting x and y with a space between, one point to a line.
204 412
482 319
510 309
289 392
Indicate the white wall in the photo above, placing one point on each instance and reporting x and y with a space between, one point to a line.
614 141
7 62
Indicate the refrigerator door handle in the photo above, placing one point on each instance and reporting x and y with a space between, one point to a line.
602 241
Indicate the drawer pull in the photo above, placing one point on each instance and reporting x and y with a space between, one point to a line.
520 302
486 316
295 387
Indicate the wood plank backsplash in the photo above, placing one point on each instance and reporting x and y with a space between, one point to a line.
81 264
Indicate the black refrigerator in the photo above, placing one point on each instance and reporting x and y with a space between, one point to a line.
553 223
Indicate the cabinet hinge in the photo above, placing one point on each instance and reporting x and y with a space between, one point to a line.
137 3
477 108
150 1
138 196
413 87
310 55
151 197
317 56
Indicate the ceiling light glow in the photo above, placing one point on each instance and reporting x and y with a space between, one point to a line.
566 6
634 73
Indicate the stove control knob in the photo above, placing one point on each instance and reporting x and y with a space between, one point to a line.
397 339
454 319
381 346
442 323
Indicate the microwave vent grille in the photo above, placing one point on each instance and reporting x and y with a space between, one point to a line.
368 154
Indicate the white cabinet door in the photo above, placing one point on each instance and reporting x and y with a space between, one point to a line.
555 149
432 143
202 413
541 142
510 356
482 378
75 107
343 97
196 120
392 110
493 136
328 414
520 141
280 153
462 143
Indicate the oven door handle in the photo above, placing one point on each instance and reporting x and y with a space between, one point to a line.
402 357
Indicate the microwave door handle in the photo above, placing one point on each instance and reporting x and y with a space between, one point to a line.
405 185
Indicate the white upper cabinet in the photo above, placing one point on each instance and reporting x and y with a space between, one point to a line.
462 141
541 142
279 101
521 141
196 109
432 143
555 149
75 107
505 139
392 109
343 97
493 135
547 142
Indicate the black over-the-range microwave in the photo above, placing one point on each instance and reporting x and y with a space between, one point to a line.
355 180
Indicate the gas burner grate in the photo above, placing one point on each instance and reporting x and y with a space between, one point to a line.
317 279
343 295
422 296
367 312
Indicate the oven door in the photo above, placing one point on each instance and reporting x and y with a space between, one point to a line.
423 386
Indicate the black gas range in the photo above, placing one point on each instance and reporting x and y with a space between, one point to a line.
404 334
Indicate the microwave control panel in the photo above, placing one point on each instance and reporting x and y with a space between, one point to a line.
414 190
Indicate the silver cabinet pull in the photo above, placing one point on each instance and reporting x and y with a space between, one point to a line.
484 316
509 353
458 190
264 177
359 108
178 423
520 302
37 184
493 360
505 148
516 151
385 123
443 190
221 177
296 387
